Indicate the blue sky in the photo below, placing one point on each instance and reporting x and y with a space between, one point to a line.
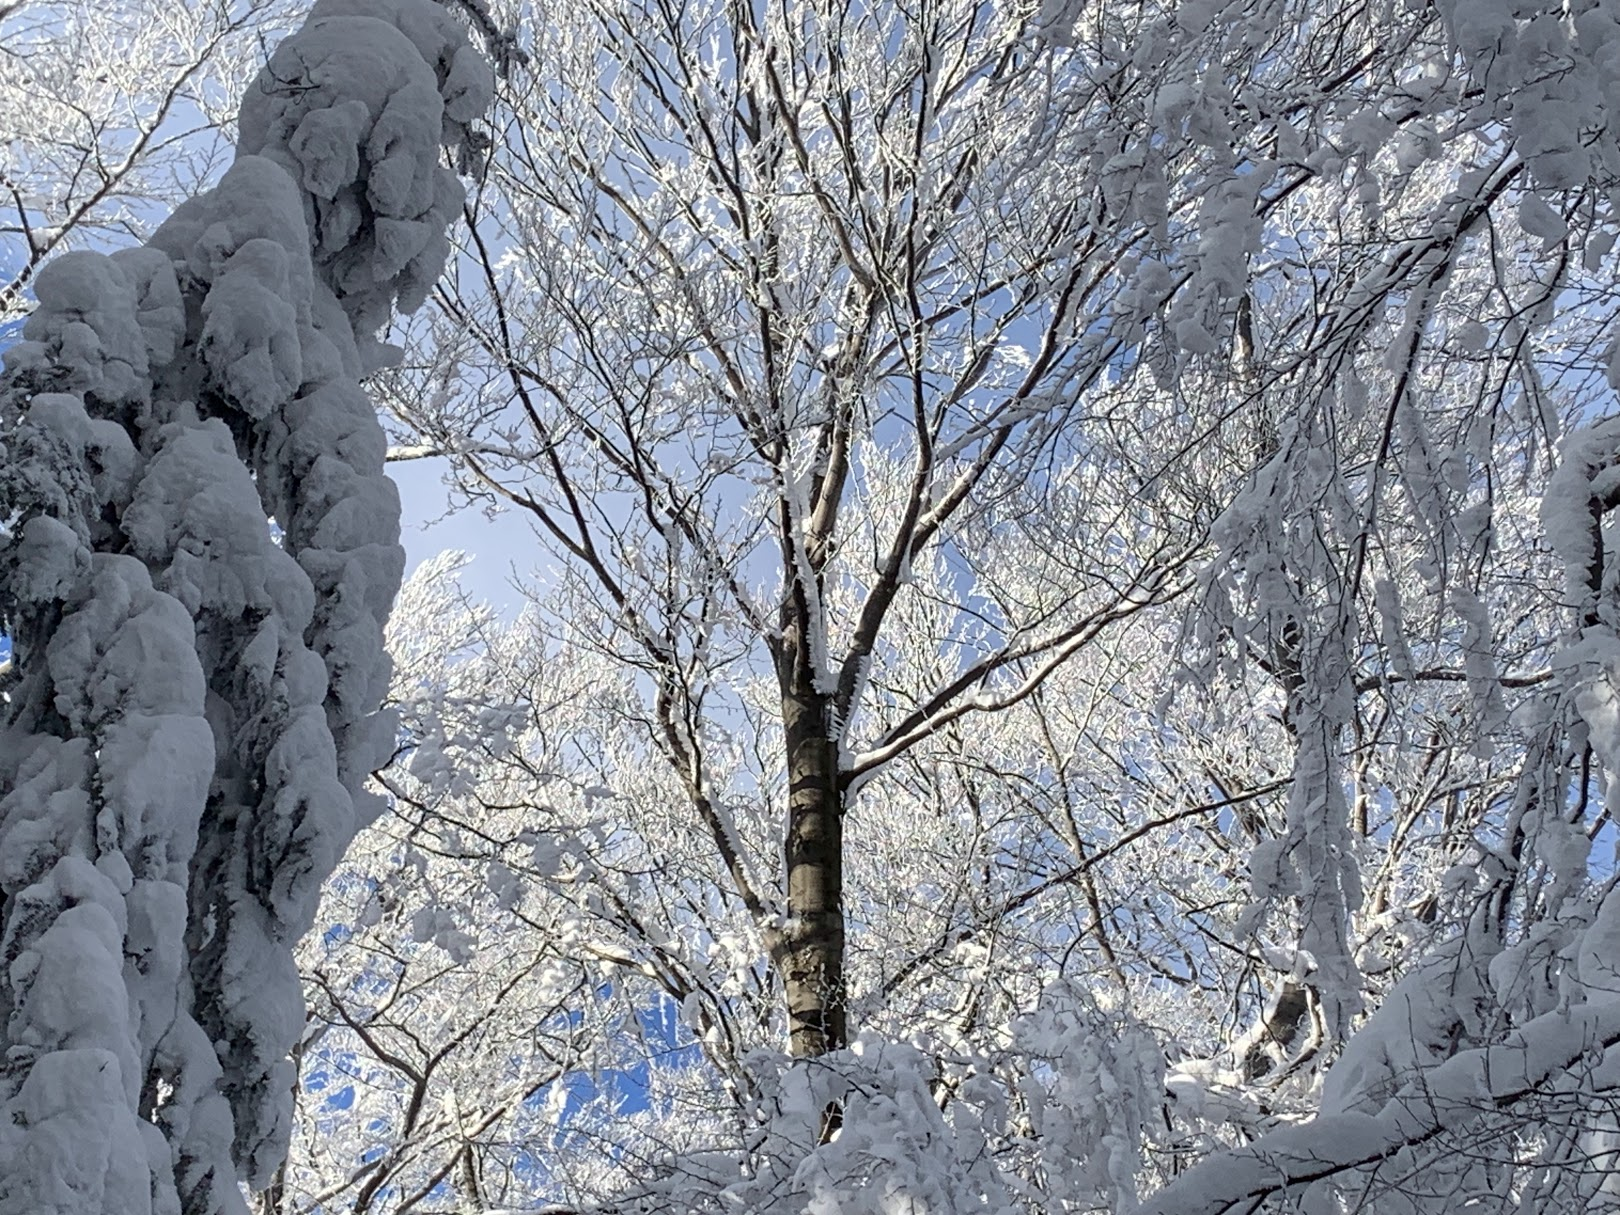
498 545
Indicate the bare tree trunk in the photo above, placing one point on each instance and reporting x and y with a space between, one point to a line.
813 944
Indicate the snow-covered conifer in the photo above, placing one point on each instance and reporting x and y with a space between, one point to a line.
192 705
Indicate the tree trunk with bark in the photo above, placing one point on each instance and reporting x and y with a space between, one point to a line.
813 851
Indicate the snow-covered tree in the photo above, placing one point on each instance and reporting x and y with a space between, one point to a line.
1076 565
1321 823
200 551
1480 1079
767 308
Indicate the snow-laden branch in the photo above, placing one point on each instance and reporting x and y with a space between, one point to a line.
1444 1099
1049 653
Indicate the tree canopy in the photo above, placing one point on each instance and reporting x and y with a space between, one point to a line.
1068 657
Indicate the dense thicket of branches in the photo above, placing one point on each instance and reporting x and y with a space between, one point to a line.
1071 654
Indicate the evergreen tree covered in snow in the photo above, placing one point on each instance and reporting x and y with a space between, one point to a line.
192 704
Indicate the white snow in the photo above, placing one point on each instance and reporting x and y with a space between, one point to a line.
198 704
